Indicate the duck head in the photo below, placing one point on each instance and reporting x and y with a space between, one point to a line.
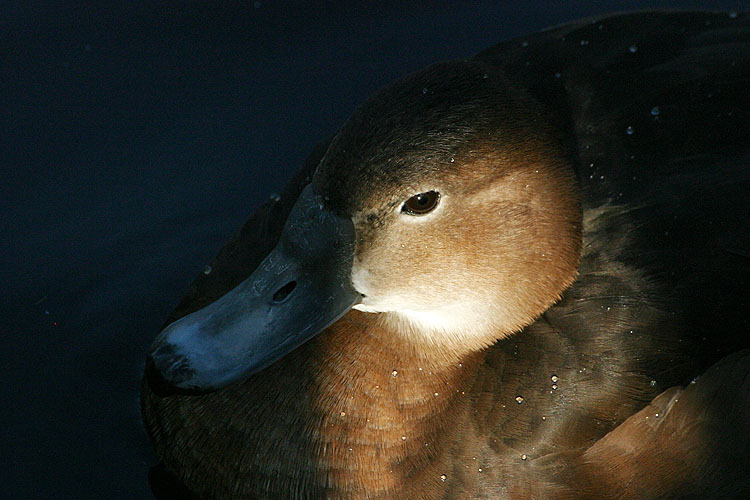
446 205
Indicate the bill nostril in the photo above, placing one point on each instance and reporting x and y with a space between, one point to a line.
283 292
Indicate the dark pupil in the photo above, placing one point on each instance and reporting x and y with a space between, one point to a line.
421 203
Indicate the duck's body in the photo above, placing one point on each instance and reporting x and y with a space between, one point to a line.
648 112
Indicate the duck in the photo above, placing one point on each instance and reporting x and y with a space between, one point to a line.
523 275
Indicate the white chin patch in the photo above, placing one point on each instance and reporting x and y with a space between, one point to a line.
437 324
446 324
364 308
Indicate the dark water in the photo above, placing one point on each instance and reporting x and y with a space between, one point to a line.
133 140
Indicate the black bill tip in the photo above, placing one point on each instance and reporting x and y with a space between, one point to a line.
162 387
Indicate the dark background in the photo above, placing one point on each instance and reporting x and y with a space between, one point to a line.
135 137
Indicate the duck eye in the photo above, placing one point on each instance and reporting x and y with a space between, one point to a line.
421 203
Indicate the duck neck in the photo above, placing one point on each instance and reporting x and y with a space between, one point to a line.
384 408
358 412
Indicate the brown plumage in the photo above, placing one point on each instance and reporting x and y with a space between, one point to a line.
590 249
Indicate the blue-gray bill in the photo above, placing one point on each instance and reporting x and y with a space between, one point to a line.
302 287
